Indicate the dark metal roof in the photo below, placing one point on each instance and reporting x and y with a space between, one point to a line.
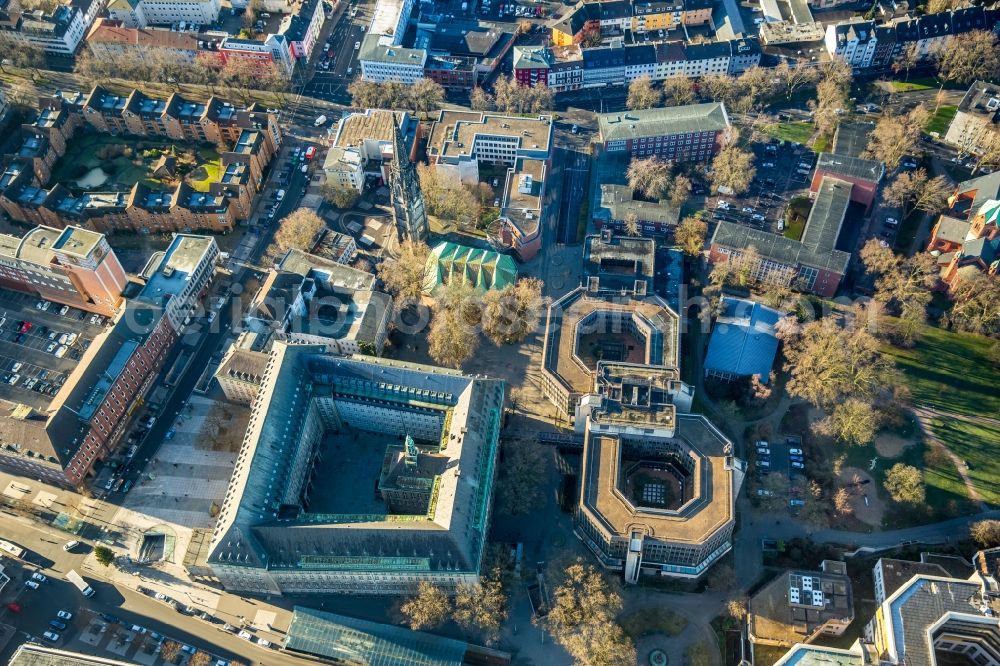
852 167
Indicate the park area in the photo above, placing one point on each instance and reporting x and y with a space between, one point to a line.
952 377
96 161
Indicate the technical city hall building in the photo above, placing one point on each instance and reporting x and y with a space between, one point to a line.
658 484
359 475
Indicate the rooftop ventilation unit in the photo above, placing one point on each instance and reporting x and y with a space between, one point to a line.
793 595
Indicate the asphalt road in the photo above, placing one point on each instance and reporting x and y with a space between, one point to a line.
576 171
38 607
331 85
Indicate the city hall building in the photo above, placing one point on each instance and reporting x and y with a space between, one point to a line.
359 475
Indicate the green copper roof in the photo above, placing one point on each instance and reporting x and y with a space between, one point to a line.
990 210
484 269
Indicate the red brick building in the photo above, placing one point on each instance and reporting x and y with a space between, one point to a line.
864 175
812 264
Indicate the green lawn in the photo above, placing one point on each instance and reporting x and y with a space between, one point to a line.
913 85
940 121
975 444
795 217
822 144
795 228
950 371
206 174
797 132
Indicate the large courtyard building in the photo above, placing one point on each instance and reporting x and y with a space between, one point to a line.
359 476
658 484
248 140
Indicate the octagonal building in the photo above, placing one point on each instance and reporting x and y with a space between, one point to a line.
658 484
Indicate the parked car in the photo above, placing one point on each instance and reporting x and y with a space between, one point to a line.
797 465
39 577
796 503
795 452
63 310
761 492
64 615
31 584
51 636
245 635
56 624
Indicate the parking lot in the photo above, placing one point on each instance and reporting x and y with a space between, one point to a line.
784 459
783 171
39 348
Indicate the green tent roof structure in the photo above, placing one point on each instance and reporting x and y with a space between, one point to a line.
483 269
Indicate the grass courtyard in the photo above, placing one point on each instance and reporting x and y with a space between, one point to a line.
941 119
795 217
797 132
95 161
